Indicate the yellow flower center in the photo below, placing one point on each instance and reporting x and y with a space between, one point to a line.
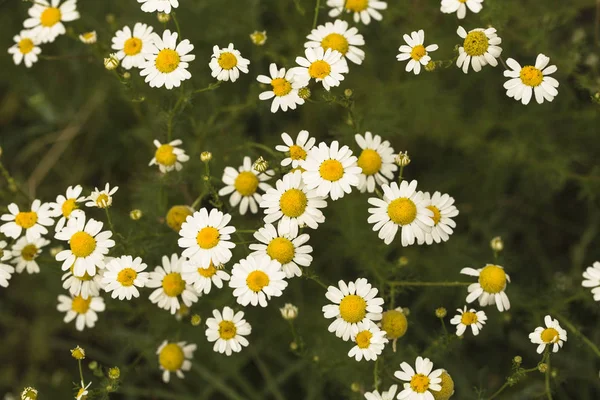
68 206
353 308
281 249
531 76
80 393
492 279
176 216
370 161
29 394
173 284
171 357
394 324
257 280
82 244
436 214
85 277
132 46
335 41
207 272
126 276
26 45
297 153
419 383
281 86
246 183
80 305
476 43
50 16
357 5
550 335
26 219
164 155
102 200
29 252
88 35
468 318
227 60
167 61
208 237
447 389
363 339
418 52
293 203
402 211
331 170
227 330
319 69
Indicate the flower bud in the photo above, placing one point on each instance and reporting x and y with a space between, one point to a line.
260 165
78 353
258 38
430 66
497 244
88 37
93 365
114 373
355 387
304 93
289 312
29 393
110 18
402 159
293 346
348 93
518 360
542 367
403 261
441 312
206 156
55 250
126 75
163 17
195 320
135 214
112 62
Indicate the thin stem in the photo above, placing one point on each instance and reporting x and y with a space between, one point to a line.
81 374
316 279
443 284
317 7
577 332
503 63
176 25
376 374
506 384
548 390
212 86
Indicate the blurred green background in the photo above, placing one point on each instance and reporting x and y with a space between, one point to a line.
527 173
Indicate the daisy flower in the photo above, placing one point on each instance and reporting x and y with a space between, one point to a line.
227 331
402 207
529 80
201 278
284 88
460 7
442 206
354 303
47 18
552 335
168 156
331 170
591 279
6 270
288 250
25 49
34 222
84 286
420 382
479 49
175 357
415 51
473 318
293 205
170 284
82 392
489 288
325 66
297 151
166 61
101 198
205 237
177 215
159 5
83 311
389 395
123 276
25 252
256 279
339 37
226 63
66 206
363 10
376 161
370 341
243 186
88 245
131 45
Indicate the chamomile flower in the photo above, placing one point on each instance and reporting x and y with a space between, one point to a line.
489 288
479 49
473 318
331 170
243 186
159 5
284 88
363 10
402 208
131 45
442 206
327 66
228 331
205 237
354 303
460 7
390 394
376 161
83 311
293 205
168 156
297 150
66 206
592 279
84 286
420 382
226 63
6 270
34 222
83 392
25 49
174 357
46 21
370 341
202 278
123 276
416 51
552 335
256 279
166 61
529 80
25 252
101 198
170 285
339 37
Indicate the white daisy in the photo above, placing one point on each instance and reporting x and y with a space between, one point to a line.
170 284
363 10
83 311
529 80
25 49
228 331
84 286
293 205
175 357
166 61
47 18
553 335
389 395
257 278
479 49
123 276
490 286
168 156
415 51
66 206
402 207
226 63
420 382
460 7
298 150
442 206
376 161
337 36
288 250
34 221
6 270
592 279
473 318
25 252
83 392
131 45
101 198
201 278
159 5
284 88
205 237
243 186
354 303
325 66
370 341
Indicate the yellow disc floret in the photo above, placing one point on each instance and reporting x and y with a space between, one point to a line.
26 219
80 305
281 86
476 43
531 76
447 389
227 60
207 272
126 276
165 156
437 216
363 339
418 52
68 206
419 383
293 203
227 330
176 216
208 237
353 308
132 46
82 244
246 183
281 249
167 61
331 170
257 280
402 211
50 17
29 252
549 335
357 5
173 284
297 152
468 318
335 41
370 161
26 45
171 357
319 69
394 324
492 279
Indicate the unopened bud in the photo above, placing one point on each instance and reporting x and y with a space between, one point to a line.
258 38
441 312
430 66
518 360
195 320
289 312
114 373
55 250
88 37
93 365
111 62
402 159
205 156
78 353
304 93
348 93
29 393
542 367
126 75
497 244
355 387
403 261
260 165
110 18
293 346
135 214
163 17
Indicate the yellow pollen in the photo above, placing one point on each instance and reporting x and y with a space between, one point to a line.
50 16
476 43
26 45
26 219
176 216
419 383
257 280
171 357
492 279
370 161
68 206
227 60
173 284
394 324
167 61
227 330
436 214
363 339
281 86
402 211
132 46
126 276
319 69
297 153
550 335
281 249
468 318
418 52
531 76
102 200
293 203
246 183
447 389
82 244
207 272
331 170
208 237
29 252
164 155
80 305
357 5
353 308
335 41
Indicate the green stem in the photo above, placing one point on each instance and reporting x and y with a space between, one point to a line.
317 7
212 86
400 174
548 390
316 279
81 374
176 25
506 384
578 333
443 284
376 374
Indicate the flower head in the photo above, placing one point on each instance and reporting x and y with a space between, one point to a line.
421 382
489 288
460 7
46 19
33 222
591 279
326 66
226 63
284 88
479 49
415 51
297 150
531 80
465 318
256 279
340 37
163 6
67 206
168 156
167 61
363 10
289 312
202 278
131 44
6 270
101 198
25 252
170 285
390 394
228 331
442 206
174 357
123 276
370 341
259 38
88 37
552 335
83 311
243 185
26 48
376 161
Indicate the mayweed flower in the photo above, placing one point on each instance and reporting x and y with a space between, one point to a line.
228 331
175 357
592 279
447 389
376 161
226 63
489 288
6 270
205 156
442 206
159 5
460 7
339 37
284 88
101 198
170 285
421 382
114 373
131 45
84 286
415 51
168 156
402 159
29 393
479 48
257 278
289 312
390 394
370 341
529 80
83 392
83 311
202 278
34 222
88 37
258 38
162 17
25 252
553 335
46 19
260 165
243 186
26 48
363 10
123 276
78 353
177 215
111 62
166 61
473 318
66 206
327 66
394 323
297 150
